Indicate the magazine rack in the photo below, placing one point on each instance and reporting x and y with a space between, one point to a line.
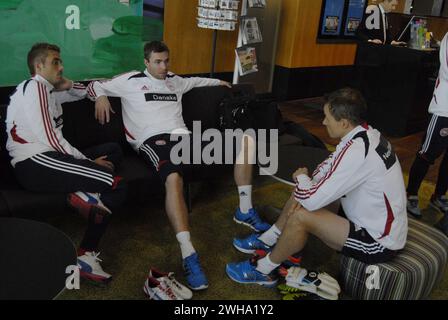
257 43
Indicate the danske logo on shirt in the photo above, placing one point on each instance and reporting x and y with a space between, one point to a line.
160 97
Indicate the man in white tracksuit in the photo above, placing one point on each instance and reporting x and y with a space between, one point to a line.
44 161
363 173
152 111
435 143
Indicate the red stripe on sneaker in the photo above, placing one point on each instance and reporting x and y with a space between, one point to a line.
94 277
116 182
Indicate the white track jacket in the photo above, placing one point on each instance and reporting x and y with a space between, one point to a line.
150 106
365 174
34 120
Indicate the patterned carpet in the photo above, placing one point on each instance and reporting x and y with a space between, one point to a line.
140 238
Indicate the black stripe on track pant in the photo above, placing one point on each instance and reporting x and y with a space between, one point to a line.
61 173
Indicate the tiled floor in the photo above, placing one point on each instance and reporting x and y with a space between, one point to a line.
310 117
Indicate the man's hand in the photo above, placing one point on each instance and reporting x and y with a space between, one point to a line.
103 162
398 43
103 109
225 83
376 41
63 85
299 172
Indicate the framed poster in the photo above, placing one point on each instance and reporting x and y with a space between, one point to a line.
340 19
355 14
331 20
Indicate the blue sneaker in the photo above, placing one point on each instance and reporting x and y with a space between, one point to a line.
196 279
245 272
250 244
251 219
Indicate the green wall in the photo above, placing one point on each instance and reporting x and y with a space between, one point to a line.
98 38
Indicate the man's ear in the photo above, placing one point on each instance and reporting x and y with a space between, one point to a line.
37 66
345 123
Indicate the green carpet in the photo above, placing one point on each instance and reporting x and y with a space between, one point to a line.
140 238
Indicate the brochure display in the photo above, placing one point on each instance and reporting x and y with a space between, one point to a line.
257 3
247 60
256 47
218 14
249 33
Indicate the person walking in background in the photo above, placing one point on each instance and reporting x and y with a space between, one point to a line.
435 143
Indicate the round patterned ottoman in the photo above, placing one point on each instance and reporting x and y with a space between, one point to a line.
413 274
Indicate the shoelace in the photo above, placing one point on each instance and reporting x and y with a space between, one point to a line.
173 281
193 267
94 256
168 291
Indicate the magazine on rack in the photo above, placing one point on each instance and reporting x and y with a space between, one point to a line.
257 3
247 60
250 31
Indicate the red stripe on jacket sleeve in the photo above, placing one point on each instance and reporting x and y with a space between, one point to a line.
303 194
51 136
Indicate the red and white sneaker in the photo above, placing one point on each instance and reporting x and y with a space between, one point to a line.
158 290
89 205
90 268
178 288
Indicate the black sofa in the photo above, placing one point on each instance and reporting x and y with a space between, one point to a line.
82 131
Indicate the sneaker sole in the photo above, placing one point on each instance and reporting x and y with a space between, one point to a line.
244 250
261 283
150 294
246 224
203 287
95 280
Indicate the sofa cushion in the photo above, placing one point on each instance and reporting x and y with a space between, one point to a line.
82 130
4 210
22 203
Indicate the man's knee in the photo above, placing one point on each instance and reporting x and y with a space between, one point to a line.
174 179
298 218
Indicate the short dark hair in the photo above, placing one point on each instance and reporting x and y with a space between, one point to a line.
155 46
39 52
347 103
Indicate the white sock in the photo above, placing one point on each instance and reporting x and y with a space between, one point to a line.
265 265
271 236
186 247
245 193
